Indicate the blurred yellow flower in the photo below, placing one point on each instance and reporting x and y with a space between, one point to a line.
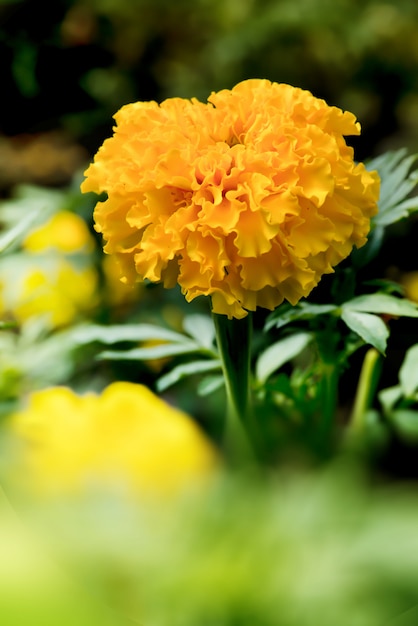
115 292
53 275
248 199
409 281
126 437
65 232
58 293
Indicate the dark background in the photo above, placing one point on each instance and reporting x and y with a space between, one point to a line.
67 66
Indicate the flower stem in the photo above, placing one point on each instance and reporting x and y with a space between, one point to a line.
233 337
366 388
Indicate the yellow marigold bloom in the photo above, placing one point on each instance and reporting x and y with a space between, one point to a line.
125 437
53 275
65 232
58 294
248 199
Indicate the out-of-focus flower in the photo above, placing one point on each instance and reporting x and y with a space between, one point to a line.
409 281
126 437
53 275
248 199
58 293
115 292
65 232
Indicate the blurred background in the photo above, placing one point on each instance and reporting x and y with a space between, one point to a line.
67 66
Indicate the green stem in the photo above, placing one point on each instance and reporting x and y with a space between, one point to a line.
233 337
325 429
366 389
328 386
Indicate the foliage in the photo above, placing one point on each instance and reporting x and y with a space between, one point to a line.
303 549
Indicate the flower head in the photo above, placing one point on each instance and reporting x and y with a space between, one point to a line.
125 436
248 199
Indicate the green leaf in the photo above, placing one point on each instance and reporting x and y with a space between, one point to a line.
19 230
386 286
187 369
370 328
382 303
389 397
408 373
280 353
397 182
302 311
30 207
201 329
395 214
154 352
209 384
405 422
127 332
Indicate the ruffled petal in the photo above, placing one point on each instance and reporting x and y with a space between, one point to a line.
248 199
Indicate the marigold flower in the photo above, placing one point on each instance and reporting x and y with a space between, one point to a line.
248 199
126 436
65 232
58 293
53 275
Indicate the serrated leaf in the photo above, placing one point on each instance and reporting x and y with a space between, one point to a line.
126 332
387 161
160 351
186 369
370 328
404 188
397 182
398 212
408 373
280 353
302 311
201 328
382 303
